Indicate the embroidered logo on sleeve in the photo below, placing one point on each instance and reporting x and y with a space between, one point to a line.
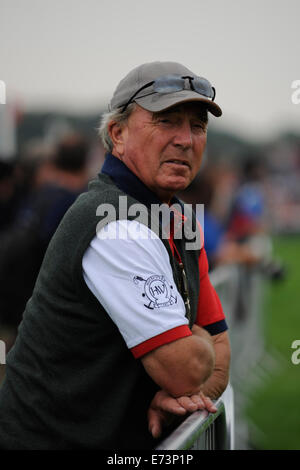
157 291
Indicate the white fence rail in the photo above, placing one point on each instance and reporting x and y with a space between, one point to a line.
205 431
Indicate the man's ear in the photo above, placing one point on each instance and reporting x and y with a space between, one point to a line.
117 133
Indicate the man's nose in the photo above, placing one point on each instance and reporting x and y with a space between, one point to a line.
183 136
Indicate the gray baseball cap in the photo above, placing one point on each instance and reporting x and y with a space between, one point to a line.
136 86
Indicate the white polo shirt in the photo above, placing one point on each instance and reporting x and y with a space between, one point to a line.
127 268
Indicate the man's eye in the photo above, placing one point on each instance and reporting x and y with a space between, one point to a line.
199 125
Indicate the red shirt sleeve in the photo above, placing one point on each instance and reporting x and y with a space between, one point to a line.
159 340
210 313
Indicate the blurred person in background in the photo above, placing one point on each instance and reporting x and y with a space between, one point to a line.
248 226
9 195
50 184
248 212
219 248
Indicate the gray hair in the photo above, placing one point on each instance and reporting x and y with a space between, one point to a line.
116 116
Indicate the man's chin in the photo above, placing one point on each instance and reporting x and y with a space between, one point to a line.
175 186
170 190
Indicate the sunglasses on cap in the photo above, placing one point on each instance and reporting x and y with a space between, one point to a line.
173 83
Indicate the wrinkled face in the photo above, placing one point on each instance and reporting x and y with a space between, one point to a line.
164 149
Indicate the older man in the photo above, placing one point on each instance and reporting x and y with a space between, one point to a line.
124 327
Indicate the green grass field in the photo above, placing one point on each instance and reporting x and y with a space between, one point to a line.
274 408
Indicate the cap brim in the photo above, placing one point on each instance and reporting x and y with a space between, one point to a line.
160 102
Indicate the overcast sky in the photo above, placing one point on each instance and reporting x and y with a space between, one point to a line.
71 54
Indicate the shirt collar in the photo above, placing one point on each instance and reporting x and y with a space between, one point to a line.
130 184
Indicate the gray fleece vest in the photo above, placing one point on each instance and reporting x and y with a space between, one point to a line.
71 382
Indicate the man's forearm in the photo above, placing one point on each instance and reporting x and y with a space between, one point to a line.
215 384
204 335
183 366
207 339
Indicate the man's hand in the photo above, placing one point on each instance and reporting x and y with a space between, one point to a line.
164 407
